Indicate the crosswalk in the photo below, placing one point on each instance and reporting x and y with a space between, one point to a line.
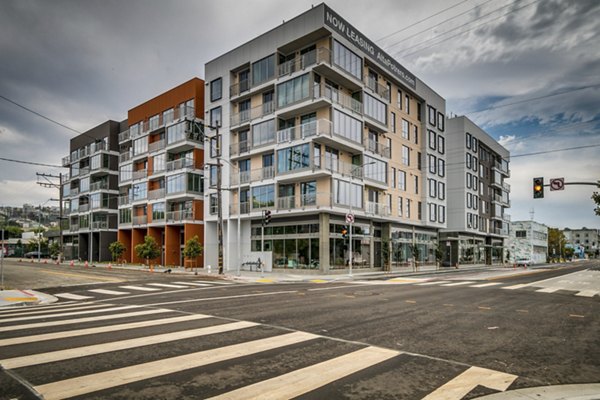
578 285
62 351
130 289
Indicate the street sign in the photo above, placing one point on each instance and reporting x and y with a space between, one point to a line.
349 218
557 184
448 243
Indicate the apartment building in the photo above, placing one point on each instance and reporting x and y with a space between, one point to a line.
528 239
317 122
90 193
583 241
478 197
161 178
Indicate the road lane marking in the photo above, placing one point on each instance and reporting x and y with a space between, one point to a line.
88 277
449 305
432 283
484 308
60 355
192 283
486 284
67 314
103 380
548 290
72 296
38 307
576 316
304 380
523 311
101 329
216 282
167 285
81 320
140 288
458 387
327 288
458 283
239 296
410 301
587 293
71 308
107 291
513 287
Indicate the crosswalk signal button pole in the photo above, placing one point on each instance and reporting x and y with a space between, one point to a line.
538 188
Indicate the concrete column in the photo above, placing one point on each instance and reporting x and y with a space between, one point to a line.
324 242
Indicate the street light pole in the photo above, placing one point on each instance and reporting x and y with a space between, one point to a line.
351 222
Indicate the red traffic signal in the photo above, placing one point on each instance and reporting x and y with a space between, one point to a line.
538 188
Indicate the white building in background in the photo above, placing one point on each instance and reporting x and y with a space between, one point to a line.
528 239
584 240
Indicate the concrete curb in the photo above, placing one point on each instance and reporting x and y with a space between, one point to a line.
23 298
559 392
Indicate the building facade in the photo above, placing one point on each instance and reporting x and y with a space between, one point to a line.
478 225
161 175
317 122
90 193
528 239
583 241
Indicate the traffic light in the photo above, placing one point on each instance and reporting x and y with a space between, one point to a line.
344 232
538 188
267 217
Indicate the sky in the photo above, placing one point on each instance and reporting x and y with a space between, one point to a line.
526 71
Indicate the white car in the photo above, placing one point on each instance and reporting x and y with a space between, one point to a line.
523 261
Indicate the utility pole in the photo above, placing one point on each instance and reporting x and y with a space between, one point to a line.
58 186
219 166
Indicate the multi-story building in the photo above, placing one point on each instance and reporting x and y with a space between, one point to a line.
90 192
161 178
318 122
528 239
583 241
478 196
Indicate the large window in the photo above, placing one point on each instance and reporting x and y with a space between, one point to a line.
263 70
175 183
347 126
292 91
401 180
140 146
405 132
140 191
158 163
375 169
195 183
292 158
84 185
347 60
216 89
345 193
158 211
263 133
375 109
125 172
432 115
405 155
215 117
263 196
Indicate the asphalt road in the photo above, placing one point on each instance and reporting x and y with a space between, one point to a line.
452 336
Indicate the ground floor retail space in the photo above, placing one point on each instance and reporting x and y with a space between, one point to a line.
466 248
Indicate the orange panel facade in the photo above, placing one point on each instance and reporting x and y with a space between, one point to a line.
124 236
172 246
191 230
137 237
156 233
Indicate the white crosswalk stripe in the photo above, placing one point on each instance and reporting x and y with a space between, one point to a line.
192 283
217 282
458 283
513 287
167 285
481 285
140 288
432 283
72 296
107 291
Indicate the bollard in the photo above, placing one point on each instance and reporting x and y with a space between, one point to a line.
86 264
208 268
71 263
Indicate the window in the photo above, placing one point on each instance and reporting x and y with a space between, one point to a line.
441 167
441 190
158 163
158 211
468 140
469 182
393 121
432 212
125 216
215 117
293 91
216 89
469 200
263 133
441 144
344 193
176 183
263 70
375 109
399 100
393 182
416 184
405 155
347 126
419 161
468 160
432 188
263 196
407 208
400 206
474 145
292 158
375 169
402 180
405 133
153 122
441 214
432 115
125 172
432 139
84 185
432 163
416 133
521 234
140 191
440 121
347 60
407 103
308 191
195 183
419 211
140 146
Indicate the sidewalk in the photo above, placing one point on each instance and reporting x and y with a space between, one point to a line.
19 298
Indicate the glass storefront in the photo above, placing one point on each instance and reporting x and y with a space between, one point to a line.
405 242
293 246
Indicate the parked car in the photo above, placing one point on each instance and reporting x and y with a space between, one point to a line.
34 254
523 261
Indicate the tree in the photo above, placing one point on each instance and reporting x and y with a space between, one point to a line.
116 250
596 198
416 253
54 249
439 254
385 253
556 242
148 250
193 248
12 232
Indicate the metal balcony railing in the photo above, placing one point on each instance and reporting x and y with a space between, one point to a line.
180 164
156 194
156 146
179 216
140 219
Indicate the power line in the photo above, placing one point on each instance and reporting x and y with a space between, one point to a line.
39 115
31 163
461 33
422 20
555 150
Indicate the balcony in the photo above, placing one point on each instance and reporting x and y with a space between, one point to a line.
84 171
297 64
124 136
327 67
499 199
381 210
139 220
187 140
140 174
124 200
125 156
156 194
83 208
506 187
181 163
245 116
96 225
256 175
156 146
298 203
378 148
183 194
180 216
240 87
74 228
502 168
73 192
378 89
100 185
66 161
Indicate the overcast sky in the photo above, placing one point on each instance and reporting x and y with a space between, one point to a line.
528 72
